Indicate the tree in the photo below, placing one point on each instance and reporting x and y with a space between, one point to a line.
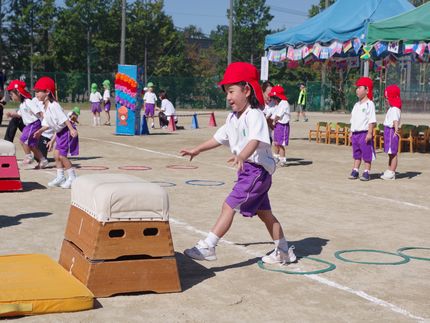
316 9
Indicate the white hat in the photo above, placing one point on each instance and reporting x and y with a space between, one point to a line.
145 89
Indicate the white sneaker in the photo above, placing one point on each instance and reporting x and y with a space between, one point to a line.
27 160
388 175
42 164
57 181
280 257
282 163
152 125
68 183
201 251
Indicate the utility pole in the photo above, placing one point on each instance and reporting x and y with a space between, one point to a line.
89 59
230 33
31 44
122 53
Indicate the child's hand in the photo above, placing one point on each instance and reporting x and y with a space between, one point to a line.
368 137
50 145
9 114
73 133
236 161
192 153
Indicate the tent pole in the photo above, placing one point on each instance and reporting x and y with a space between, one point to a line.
366 68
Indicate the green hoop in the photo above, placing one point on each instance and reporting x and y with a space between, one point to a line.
330 267
404 261
400 252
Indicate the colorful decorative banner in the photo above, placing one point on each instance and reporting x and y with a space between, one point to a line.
306 50
324 52
410 48
290 53
356 44
380 47
317 50
297 54
366 52
421 48
283 54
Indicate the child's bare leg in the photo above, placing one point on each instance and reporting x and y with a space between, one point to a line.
26 149
392 162
281 151
367 166
357 163
65 162
58 163
224 221
37 154
272 224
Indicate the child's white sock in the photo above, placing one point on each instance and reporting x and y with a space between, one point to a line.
281 244
71 173
98 121
283 159
356 169
94 121
60 172
212 240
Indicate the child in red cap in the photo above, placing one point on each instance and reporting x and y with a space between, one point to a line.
55 119
31 115
363 120
247 135
281 119
391 130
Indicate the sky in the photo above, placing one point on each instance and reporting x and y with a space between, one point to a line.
207 14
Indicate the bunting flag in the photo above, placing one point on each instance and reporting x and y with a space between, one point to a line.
428 45
366 50
410 48
308 59
305 51
290 53
421 48
297 54
332 49
347 46
380 47
393 47
338 49
283 54
324 53
317 50
357 45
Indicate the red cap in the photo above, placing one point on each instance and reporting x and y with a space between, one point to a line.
367 82
45 84
20 87
278 91
392 94
243 72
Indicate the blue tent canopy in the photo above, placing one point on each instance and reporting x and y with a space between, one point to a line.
342 21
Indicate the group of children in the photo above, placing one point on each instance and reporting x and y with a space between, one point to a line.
246 133
363 122
165 111
44 120
96 100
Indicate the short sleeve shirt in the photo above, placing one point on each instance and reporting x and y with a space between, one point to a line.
150 97
54 117
168 108
106 95
237 132
362 115
28 111
393 114
95 97
282 110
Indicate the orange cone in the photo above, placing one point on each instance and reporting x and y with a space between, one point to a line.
172 124
212 121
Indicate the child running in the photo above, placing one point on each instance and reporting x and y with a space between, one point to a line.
391 130
363 120
281 119
56 119
95 100
31 115
247 135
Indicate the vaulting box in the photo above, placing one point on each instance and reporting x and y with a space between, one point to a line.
9 172
118 237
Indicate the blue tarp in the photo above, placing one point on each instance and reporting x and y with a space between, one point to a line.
342 21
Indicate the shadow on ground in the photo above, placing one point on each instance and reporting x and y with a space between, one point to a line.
8 221
31 186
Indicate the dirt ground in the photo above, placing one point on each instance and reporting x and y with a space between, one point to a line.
321 210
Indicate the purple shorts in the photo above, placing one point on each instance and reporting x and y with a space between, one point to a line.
281 134
362 149
149 109
391 141
250 193
66 143
27 136
95 107
107 106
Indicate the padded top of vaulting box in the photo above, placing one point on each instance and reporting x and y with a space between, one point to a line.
119 197
36 284
7 148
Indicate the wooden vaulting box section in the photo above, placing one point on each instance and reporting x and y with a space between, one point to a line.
116 241
36 284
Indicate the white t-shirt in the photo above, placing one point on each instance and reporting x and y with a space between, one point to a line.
393 114
268 110
95 97
28 111
150 97
54 117
362 115
168 109
237 132
106 95
282 110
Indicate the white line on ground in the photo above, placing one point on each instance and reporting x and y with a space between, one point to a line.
319 279
316 278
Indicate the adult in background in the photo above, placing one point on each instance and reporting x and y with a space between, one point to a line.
301 103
